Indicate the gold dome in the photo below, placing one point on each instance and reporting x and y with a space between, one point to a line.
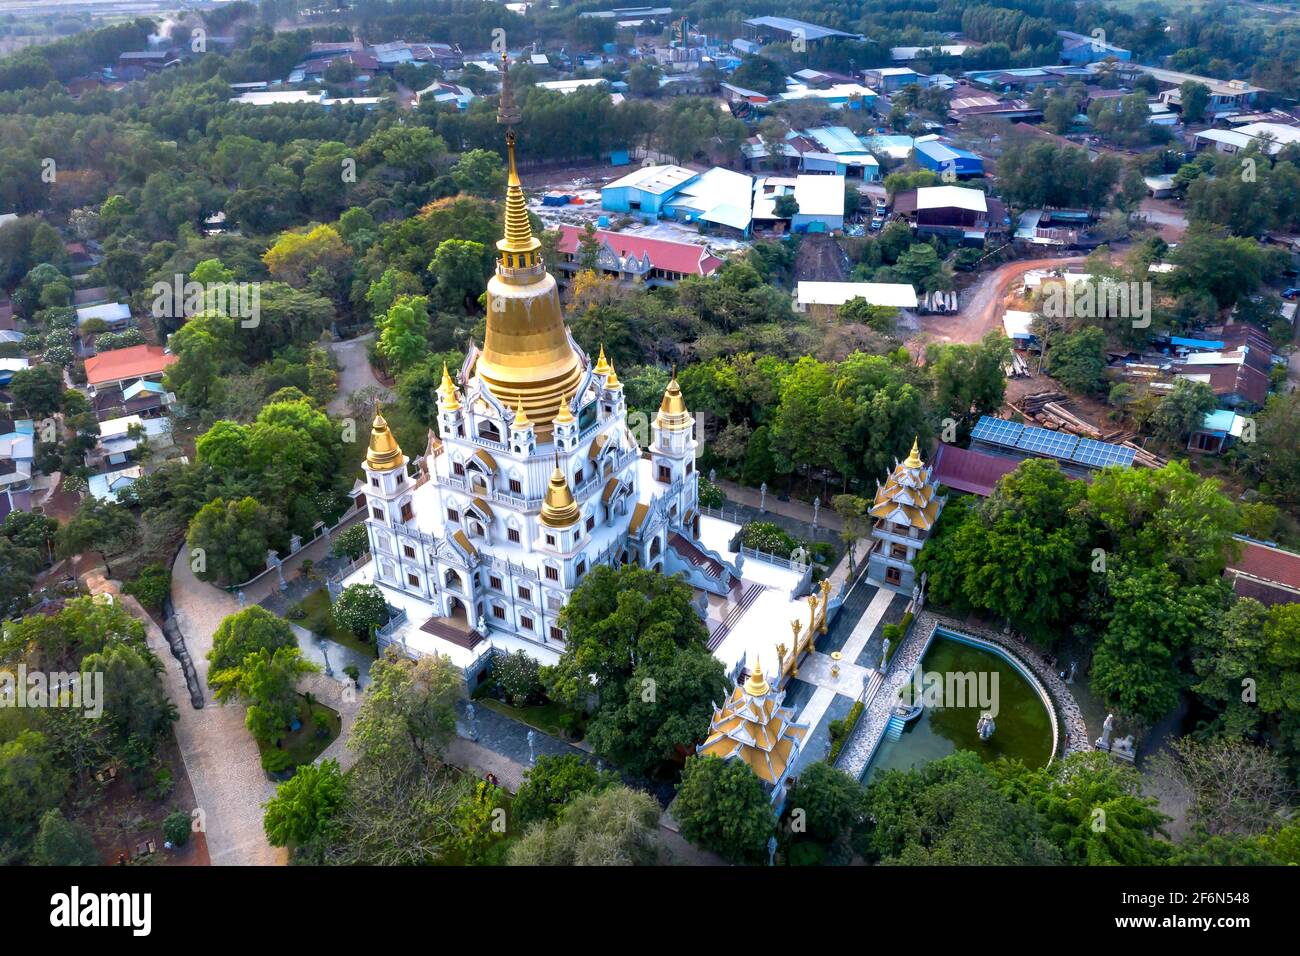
527 356
384 453
559 510
756 684
673 415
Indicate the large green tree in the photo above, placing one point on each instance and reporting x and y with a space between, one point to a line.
723 807
952 812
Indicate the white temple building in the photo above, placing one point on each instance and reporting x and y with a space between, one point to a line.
533 478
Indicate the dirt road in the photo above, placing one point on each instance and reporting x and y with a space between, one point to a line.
982 304
1167 216
820 259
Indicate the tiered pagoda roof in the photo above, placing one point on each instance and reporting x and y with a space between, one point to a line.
910 495
753 726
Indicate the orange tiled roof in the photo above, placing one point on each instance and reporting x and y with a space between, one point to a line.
133 362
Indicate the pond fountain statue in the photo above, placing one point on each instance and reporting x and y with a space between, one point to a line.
985 727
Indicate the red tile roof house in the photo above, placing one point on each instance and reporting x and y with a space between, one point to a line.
121 367
628 256
1265 573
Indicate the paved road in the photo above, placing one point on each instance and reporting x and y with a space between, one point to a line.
355 372
219 753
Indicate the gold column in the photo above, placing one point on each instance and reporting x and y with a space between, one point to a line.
812 621
794 658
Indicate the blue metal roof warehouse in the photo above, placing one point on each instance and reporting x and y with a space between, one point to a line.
939 157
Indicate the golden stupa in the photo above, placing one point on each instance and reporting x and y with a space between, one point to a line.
673 414
383 453
559 510
527 357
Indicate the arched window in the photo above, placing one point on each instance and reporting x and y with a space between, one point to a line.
451 579
489 430
654 547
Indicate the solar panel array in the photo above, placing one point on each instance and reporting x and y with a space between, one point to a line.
997 431
1100 454
1043 441
1053 444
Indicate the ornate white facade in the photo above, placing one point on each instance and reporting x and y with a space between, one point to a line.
532 479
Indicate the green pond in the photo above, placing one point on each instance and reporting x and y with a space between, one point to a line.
1023 728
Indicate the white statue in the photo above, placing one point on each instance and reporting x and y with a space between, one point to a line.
1107 728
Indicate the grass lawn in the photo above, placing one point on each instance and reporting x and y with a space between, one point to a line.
305 744
545 717
319 620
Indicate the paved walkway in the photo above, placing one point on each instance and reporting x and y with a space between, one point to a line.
355 372
220 755
509 738
834 695
827 520
341 696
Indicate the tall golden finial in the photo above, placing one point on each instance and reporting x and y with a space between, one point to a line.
527 354
383 453
756 685
519 239
602 364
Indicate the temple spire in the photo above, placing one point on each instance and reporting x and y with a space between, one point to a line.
914 459
519 247
527 357
508 113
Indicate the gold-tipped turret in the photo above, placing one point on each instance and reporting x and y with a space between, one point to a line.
611 381
673 415
384 453
602 364
564 416
521 417
559 510
448 399
527 357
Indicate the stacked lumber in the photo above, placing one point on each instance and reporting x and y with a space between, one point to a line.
1034 402
1017 367
1145 458
1069 421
